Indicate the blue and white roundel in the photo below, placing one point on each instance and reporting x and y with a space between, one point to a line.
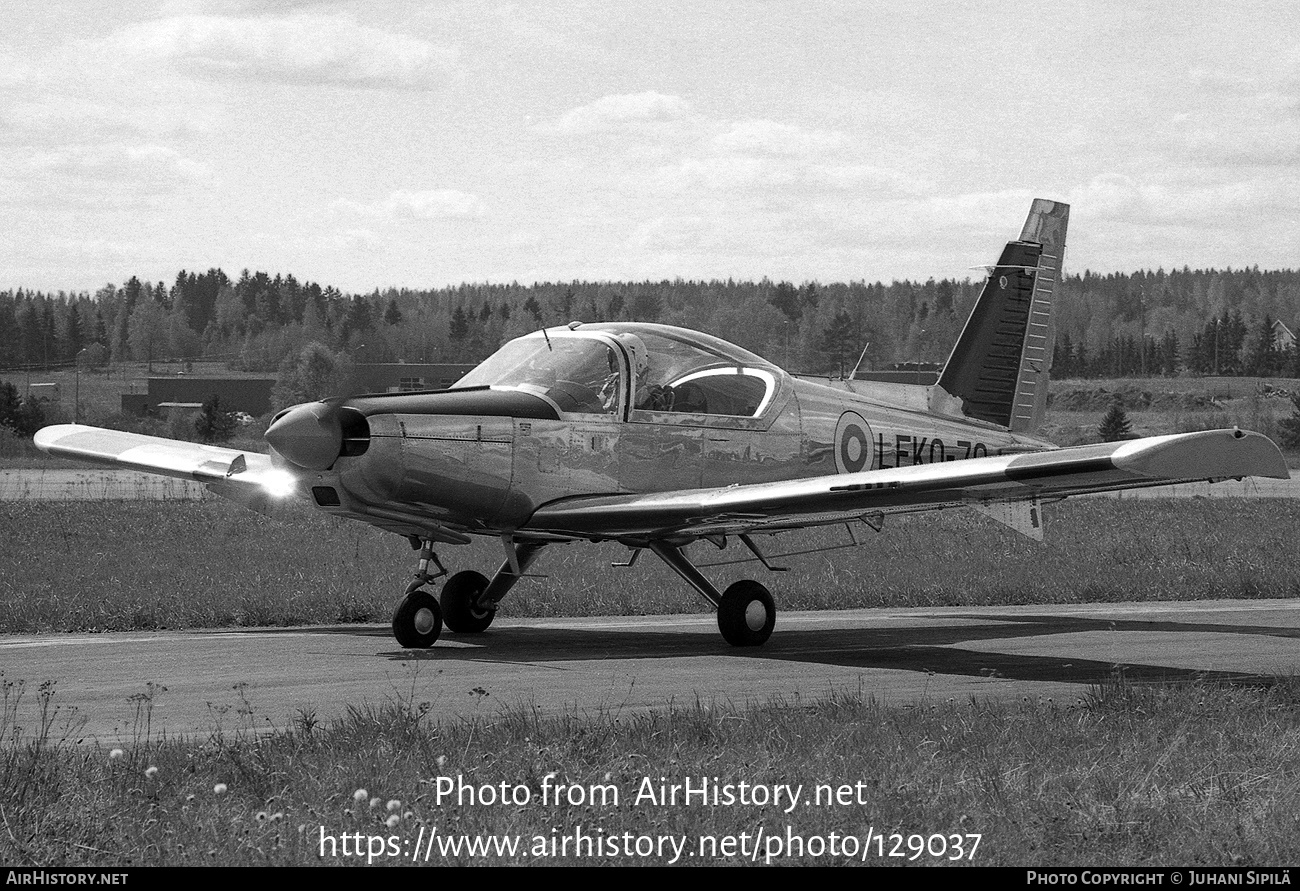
853 449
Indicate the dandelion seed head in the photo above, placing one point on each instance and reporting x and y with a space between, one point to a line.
151 772
375 802
442 759
219 789
360 795
115 754
394 804
392 821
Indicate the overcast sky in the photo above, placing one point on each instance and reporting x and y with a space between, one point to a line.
422 144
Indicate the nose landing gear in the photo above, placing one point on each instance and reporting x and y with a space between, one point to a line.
417 621
468 602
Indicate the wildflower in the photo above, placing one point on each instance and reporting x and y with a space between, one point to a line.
277 817
392 821
394 804
261 816
151 772
219 789
442 759
360 795
115 754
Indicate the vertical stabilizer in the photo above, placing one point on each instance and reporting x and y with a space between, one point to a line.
998 370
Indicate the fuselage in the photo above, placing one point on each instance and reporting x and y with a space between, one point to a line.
481 458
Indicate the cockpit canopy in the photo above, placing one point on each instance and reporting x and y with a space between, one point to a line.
609 368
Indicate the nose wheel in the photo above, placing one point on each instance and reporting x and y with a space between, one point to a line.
417 621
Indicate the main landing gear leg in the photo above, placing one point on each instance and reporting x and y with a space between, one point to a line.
469 600
417 621
746 611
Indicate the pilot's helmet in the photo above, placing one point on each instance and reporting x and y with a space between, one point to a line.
635 347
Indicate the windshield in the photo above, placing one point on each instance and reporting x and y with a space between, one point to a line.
579 374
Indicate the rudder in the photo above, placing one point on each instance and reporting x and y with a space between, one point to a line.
998 371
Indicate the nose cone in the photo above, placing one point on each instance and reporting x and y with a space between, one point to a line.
309 435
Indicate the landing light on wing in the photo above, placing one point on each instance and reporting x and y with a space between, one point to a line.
278 483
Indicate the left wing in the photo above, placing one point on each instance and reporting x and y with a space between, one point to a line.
977 482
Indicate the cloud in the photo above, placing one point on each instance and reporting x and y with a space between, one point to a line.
297 49
432 204
68 119
618 112
772 138
141 170
1183 198
437 204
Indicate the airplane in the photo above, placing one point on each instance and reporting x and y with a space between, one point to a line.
657 437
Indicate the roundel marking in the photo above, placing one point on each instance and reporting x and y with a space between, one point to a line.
853 448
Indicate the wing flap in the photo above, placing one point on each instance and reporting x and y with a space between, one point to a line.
1057 473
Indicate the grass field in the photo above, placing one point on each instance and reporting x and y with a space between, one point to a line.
1123 776
138 565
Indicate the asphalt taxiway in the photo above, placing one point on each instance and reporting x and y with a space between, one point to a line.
259 679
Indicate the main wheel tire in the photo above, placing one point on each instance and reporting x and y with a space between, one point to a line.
747 614
460 608
417 621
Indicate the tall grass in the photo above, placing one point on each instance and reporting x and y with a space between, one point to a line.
1126 775
131 565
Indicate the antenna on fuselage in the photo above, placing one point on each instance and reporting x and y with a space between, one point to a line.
854 373
548 340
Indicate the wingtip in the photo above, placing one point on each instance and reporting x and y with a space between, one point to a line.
1210 454
45 438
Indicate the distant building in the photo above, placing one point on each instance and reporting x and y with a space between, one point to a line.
924 373
246 394
43 392
405 377
1283 339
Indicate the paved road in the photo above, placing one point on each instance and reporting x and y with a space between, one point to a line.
266 677
95 484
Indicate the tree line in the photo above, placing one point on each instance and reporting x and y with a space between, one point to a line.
1144 323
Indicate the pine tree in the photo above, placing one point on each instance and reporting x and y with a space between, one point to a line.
1115 425
1288 429
214 425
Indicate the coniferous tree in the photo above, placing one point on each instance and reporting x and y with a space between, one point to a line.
1115 425
212 424
1288 429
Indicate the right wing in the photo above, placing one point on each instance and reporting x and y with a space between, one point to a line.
249 478
976 482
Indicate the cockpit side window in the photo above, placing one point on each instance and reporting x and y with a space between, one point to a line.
684 378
